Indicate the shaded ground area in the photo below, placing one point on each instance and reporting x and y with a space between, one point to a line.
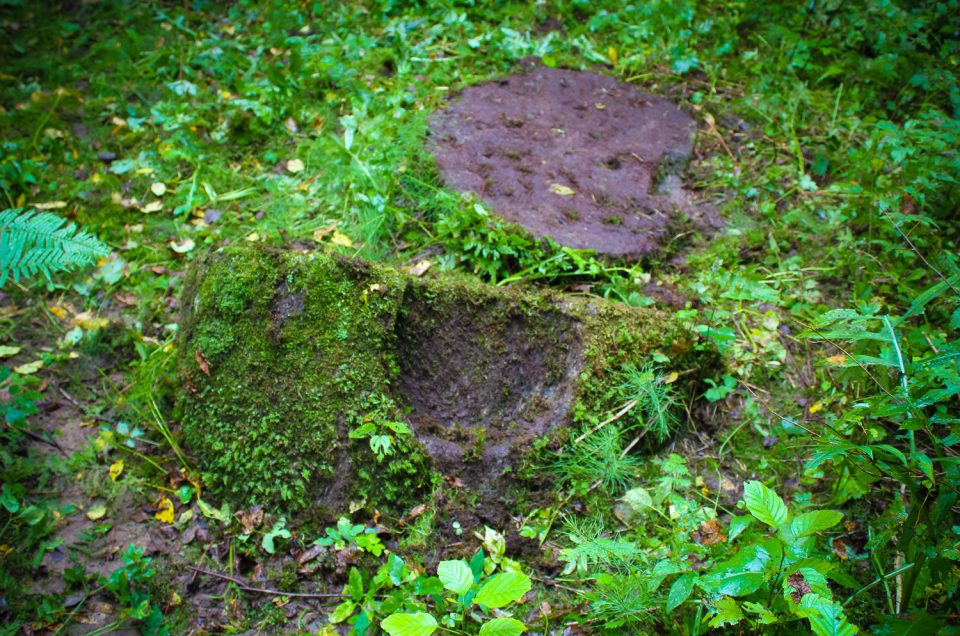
579 157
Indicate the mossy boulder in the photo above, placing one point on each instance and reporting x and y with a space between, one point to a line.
315 380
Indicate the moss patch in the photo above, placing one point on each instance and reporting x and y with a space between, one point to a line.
316 380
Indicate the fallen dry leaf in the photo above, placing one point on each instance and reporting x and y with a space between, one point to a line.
710 533
164 510
420 268
250 519
202 362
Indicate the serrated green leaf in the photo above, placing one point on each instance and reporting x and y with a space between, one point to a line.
741 575
502 627
680 591
826 617
764 504
811 522
726 612
764 615
502 589
456 576
419 624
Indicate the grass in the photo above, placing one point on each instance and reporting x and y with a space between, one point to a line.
828 136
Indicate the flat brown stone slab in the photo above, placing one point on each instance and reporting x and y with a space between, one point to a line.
579 157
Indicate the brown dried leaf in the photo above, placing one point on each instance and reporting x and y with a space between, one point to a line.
250 519
204 365
799 585
710 533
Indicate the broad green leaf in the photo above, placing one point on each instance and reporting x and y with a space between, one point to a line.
739 576
726 612
456 576
354 585
476 563
680 591
419 624
826 617
502 627
502 589
764 504
343 611
811 522
737 526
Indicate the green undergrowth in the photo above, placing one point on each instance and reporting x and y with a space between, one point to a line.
827 137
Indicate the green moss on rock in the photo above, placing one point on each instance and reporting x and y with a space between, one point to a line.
317 380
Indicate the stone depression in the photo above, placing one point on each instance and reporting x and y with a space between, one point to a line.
292 363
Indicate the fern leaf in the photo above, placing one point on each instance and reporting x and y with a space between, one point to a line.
40 242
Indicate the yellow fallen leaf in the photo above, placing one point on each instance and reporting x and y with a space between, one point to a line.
159 188
670 379
89 321
97 512
339 238
6 351
295 166
562 190
816 407
183 246
58 311
144 170
612 52
253 237
600 106
164 510
29 368
115 469
50 205
153 206
5 550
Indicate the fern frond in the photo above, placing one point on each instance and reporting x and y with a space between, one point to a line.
33 242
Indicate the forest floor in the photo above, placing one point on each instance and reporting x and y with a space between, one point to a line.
822 179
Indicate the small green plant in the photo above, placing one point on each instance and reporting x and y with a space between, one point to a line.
651 394
771 580
600 461
463 598
128 585
346 533
38 242
473 596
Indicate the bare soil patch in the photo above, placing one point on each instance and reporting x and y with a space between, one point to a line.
579 157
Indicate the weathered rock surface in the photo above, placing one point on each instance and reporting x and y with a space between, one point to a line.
317 380
579 157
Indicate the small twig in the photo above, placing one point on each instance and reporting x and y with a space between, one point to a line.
626 409
917 252
262 590
37 438
633 443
